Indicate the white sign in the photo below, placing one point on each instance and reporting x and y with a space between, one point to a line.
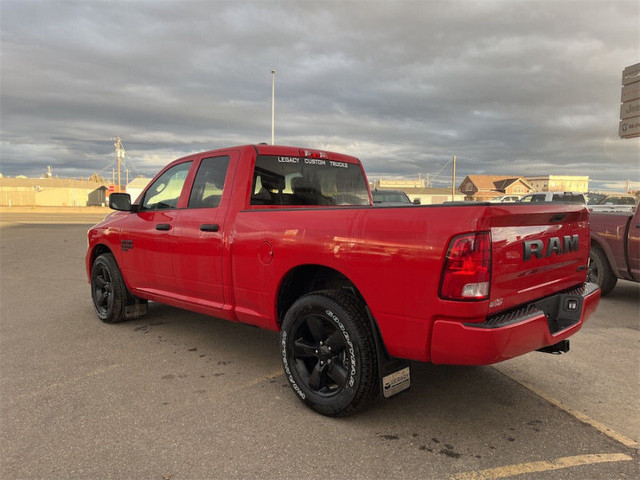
630 98
631 74
630 109
629 128
630 92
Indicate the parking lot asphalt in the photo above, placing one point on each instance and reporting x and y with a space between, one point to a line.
177 395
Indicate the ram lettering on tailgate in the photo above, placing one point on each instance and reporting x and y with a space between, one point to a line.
535 248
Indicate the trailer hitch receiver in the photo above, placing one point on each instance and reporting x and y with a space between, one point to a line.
557 348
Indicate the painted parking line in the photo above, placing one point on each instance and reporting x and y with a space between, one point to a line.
188 402
611 433
543 466
72 381
222 393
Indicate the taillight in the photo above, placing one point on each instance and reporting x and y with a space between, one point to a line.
466 274
313 153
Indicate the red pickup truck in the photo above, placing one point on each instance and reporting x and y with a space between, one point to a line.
615 248
288 239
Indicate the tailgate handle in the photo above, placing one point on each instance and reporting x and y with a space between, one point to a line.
163 226
210 227
558 217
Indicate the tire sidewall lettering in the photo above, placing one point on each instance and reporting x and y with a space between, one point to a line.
287 370
352 353
339 318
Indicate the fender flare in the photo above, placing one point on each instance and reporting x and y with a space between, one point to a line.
598 241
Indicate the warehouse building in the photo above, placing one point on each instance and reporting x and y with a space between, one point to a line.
51 192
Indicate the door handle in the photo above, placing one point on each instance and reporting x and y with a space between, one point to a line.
209 227
163 226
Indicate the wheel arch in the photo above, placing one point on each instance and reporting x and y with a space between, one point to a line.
130 299
601 244
304 279
308 278
98 250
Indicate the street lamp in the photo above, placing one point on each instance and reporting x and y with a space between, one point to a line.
273 105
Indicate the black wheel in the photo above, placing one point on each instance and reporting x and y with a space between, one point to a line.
328 353
600 271
108 290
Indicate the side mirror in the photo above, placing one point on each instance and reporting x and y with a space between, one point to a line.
416 201
120 201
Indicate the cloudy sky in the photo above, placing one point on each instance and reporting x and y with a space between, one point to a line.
514 88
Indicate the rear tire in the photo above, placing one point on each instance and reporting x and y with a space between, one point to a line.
329 354
108 291
600 271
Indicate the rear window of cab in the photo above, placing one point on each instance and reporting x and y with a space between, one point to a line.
290 180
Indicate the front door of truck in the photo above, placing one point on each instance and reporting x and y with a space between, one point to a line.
200 235
147 235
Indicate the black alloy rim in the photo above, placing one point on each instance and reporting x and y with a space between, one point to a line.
320 355
102 289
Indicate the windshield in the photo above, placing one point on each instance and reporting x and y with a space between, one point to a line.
595 198
390 196
279 180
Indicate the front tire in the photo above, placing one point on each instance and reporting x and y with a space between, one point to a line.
600 271
329 354
108 290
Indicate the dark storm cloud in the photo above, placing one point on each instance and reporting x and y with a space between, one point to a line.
508 87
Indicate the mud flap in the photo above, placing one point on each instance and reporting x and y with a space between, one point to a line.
396 377
394 373
136 309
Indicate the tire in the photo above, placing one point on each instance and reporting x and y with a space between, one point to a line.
329 354
108 290
600 271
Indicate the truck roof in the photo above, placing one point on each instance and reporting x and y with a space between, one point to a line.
286 150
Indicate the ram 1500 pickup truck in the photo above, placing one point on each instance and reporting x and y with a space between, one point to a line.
288 239
615 248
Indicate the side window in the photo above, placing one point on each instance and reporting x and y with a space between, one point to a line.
209 182
164 193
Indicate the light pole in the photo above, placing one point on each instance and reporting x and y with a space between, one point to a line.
120 156
273 105
453 181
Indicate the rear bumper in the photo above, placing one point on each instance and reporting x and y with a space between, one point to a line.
508 335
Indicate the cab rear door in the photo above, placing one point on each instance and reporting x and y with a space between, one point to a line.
201 232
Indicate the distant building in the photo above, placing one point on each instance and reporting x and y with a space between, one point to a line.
483 188
394 184
51 192
559 183
433 196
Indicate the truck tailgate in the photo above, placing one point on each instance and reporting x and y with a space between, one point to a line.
536 251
